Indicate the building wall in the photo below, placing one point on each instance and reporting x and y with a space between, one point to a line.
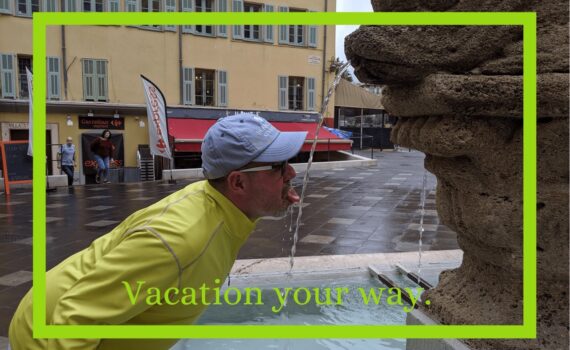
252 67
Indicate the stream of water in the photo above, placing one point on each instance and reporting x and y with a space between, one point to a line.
324 105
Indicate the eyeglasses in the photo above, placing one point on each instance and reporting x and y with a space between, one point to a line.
282 167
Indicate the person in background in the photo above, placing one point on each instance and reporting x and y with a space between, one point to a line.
103 149
66 158
189 239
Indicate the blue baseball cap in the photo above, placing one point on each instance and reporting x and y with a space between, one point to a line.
240 139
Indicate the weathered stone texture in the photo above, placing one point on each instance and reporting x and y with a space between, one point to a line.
458 94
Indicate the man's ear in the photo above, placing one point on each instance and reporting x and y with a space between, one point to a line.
236 182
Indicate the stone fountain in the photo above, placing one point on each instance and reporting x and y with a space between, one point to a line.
457 93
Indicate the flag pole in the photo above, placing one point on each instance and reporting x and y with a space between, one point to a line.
156 113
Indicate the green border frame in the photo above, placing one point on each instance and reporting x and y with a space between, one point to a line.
526 330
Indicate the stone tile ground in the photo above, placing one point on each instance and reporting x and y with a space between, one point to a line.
350 210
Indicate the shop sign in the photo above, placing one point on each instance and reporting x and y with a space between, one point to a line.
110 123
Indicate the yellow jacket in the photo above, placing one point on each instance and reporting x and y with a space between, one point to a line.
187 240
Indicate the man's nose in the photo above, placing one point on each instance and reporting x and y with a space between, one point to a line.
290 173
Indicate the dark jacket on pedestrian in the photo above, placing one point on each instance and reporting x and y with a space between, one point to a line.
102 147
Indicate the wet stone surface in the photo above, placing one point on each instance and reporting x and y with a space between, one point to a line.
344 216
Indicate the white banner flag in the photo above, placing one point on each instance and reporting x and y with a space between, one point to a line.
31 112
156 112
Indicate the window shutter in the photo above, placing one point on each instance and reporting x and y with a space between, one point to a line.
132 5
101 75
50 5
222 88
7 75
113 5
238 30
313 31
268 37
283 98
170 6
187 7
188 78
53 78
88 80
5 6
283 29
311 94
223 7
70 5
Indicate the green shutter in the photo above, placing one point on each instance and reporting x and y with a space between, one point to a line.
71 5
283 98
222 7
238 30
51 5
53 81
88 80
101 79
188 81
311 94
7 75
131 5
268 30
187 7
283 29
113 5
5 6
170 6
222 88
313 32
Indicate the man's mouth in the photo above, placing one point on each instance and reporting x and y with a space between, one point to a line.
291 195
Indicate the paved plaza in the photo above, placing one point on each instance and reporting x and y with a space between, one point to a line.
347 211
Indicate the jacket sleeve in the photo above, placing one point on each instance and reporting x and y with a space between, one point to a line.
101 297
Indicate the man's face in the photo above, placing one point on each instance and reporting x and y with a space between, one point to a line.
270 190
69 141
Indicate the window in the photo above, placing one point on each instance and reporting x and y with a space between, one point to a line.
27 7
296 93
95 80
251 32
150 6
204 6
92 5
7 77
53 82
205 87
5 6
23 62
297 34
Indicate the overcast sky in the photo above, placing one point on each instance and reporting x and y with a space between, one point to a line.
342 31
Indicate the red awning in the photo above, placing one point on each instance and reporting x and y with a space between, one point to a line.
189 134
